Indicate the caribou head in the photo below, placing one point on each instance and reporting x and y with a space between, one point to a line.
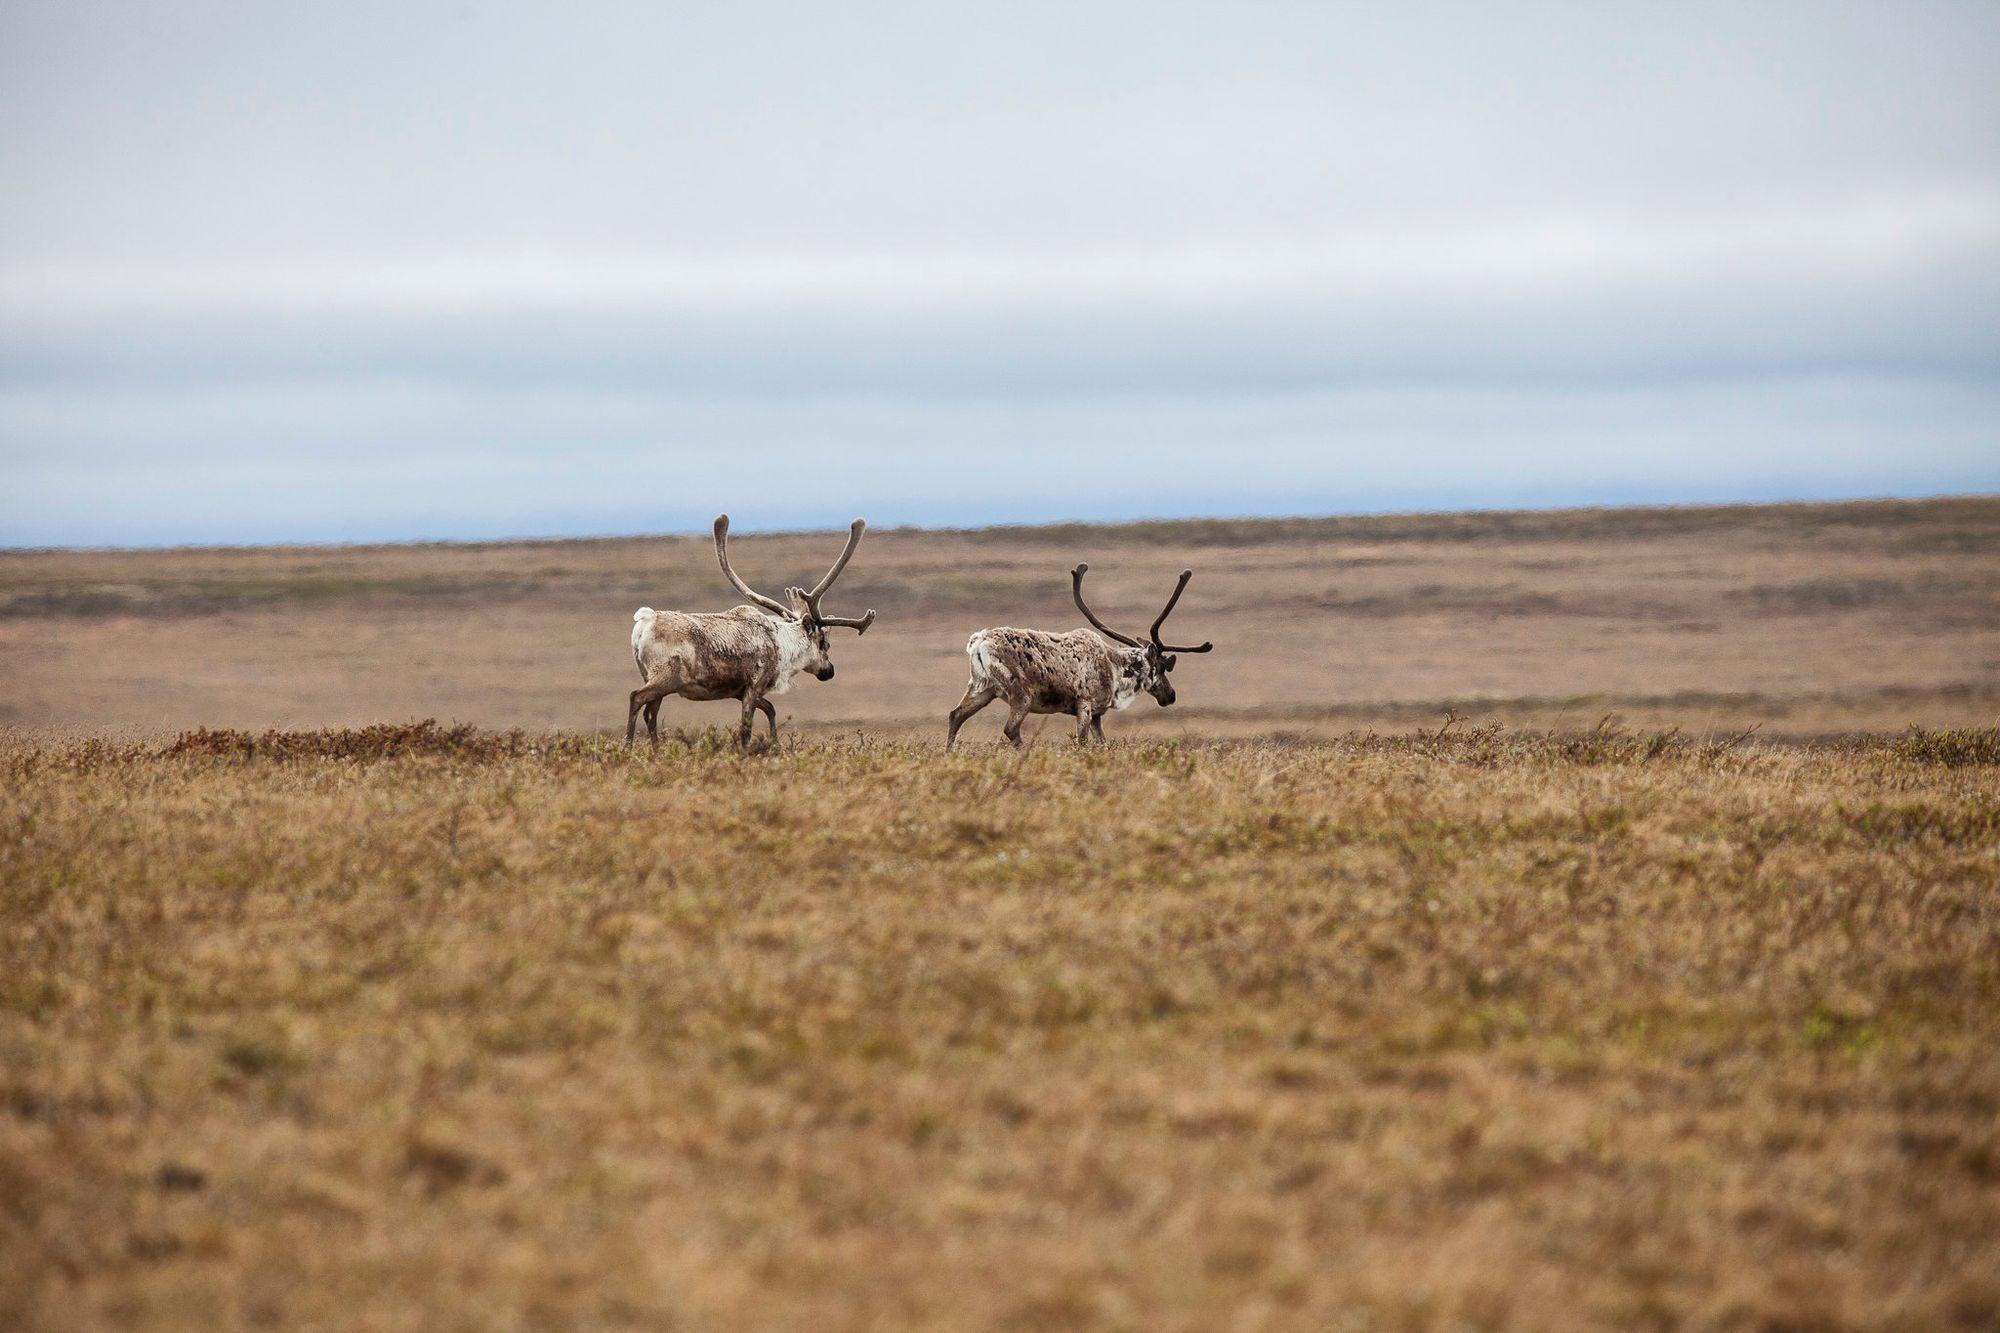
801 609
1153 660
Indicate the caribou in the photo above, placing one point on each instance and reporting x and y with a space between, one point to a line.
1075 672
748 653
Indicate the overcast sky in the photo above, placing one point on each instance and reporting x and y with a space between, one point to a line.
360 271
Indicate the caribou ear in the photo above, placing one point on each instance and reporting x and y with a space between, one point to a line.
1169 663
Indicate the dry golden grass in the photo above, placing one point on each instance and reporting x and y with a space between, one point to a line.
417 1029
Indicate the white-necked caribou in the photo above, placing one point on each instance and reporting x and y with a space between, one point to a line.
749 653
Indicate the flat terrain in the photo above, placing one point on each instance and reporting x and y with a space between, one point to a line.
414 1030
1298 1006
1804 619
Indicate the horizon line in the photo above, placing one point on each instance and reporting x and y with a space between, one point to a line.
545 539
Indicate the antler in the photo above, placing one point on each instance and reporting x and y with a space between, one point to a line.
722 555
1076 586
859 626
1154 632
854 531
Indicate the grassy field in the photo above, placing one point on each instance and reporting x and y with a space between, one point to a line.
1810 620
1659 987
413 1028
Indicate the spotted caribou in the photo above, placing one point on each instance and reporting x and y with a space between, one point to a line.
1074 672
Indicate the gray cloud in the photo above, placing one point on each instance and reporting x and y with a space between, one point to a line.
491 269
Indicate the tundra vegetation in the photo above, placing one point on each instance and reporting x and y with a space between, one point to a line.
422 1027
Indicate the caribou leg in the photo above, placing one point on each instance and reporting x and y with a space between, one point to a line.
974 700
1012 731
648 697
771 716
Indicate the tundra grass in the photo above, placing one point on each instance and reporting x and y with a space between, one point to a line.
430 1028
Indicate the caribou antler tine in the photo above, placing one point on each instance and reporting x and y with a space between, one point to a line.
1076 590
1172 602
858 625
722 558
854 531
1161 619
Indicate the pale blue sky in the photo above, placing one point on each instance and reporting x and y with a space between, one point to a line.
399 272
